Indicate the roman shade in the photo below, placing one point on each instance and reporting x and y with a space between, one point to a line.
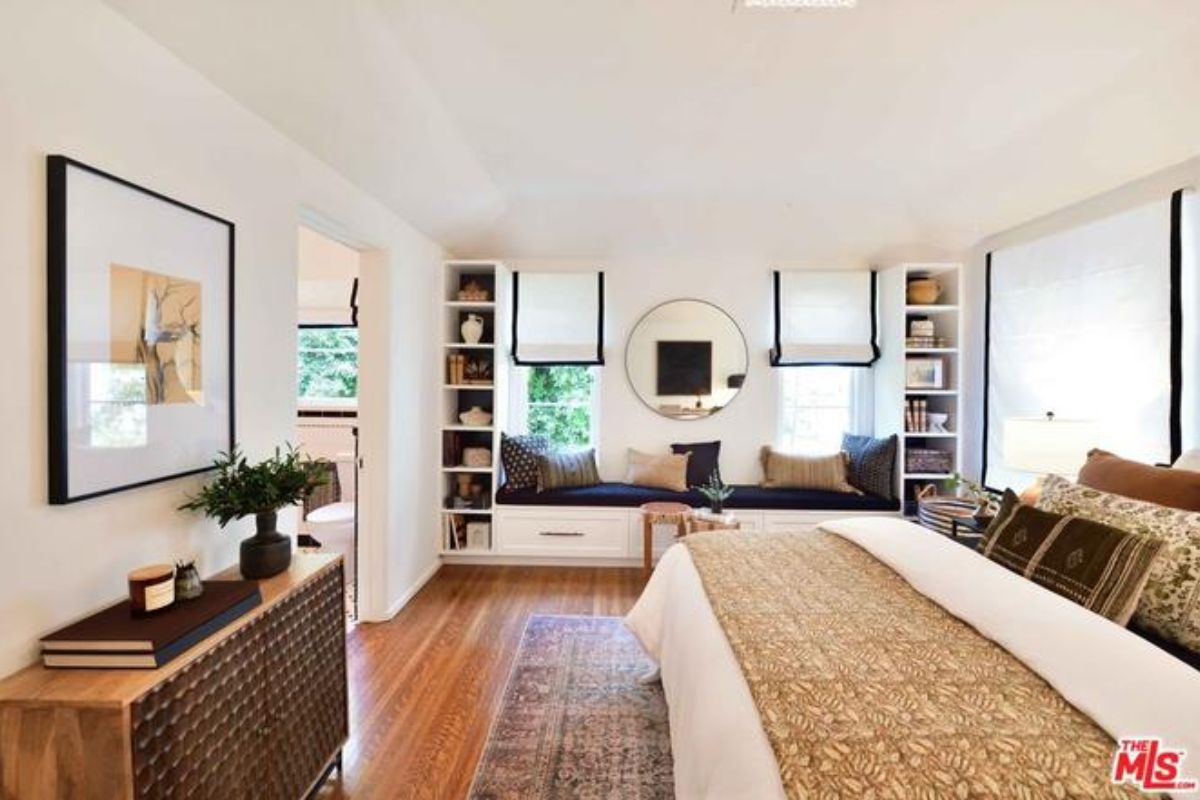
328 303
558 318
825 318
1088 324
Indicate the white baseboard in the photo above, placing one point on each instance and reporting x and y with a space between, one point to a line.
409 594
496 560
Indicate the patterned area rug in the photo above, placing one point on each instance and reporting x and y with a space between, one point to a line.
575 722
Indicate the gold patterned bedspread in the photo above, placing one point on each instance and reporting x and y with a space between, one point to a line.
868 689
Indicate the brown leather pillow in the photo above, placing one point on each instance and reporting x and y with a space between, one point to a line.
1176 488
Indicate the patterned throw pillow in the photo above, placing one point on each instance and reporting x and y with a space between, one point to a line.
1100 567
567 469
519 456
872 464
1170 604
826 473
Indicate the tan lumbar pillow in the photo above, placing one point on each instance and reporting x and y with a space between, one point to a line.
784 471
667 471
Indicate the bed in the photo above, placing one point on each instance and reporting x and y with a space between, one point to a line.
890 660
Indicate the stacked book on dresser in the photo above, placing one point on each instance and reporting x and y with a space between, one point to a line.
116 638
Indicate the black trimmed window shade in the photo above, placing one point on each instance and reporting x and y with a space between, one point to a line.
825 318
558 318
1088 323
328 303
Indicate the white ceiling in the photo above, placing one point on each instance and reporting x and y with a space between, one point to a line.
683 128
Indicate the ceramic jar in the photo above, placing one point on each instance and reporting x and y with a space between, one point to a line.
472 329
923 291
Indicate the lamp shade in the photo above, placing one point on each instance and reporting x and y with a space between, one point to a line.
1046 445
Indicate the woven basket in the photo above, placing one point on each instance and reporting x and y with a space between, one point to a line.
937 512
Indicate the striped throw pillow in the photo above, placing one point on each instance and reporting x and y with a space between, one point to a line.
1102 568
827 473
567 469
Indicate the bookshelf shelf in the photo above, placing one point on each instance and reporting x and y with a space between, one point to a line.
904 330
463 531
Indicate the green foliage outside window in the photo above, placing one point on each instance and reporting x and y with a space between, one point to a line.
328 363
560 404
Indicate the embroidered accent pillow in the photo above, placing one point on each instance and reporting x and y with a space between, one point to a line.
704 461
567 469
1170 604
1100 567
872 464
519 457
827 473
667 471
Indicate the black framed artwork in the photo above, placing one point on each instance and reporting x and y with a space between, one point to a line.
140 331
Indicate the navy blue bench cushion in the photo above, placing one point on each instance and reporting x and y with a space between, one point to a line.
624 495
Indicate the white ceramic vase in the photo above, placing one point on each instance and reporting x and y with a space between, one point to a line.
472 329
476 417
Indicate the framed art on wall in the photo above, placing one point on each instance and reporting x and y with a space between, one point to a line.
140 332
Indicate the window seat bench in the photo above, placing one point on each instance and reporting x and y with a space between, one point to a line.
602 526
624 495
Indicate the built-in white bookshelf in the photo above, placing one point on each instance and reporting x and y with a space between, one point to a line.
473 374
910 397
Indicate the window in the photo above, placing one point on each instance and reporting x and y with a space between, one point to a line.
818 404
558 402
328 365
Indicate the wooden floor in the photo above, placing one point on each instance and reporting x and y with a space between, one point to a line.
424 686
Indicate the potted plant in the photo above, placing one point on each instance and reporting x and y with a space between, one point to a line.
715 492
984 500
241 489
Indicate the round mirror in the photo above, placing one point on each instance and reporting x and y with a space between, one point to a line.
686 359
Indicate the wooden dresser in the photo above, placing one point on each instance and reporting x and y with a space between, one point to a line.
257 710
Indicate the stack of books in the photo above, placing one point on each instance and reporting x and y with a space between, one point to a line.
925 342
117 639
916 415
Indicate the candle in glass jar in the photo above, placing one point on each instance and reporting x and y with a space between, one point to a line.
151 588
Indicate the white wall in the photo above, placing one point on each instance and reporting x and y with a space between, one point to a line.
741 288
77 79
1156 186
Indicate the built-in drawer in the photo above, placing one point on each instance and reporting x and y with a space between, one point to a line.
564 532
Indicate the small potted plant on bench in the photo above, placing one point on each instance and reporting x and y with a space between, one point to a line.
716 492
241 489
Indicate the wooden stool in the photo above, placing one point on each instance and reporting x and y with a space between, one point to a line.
676 514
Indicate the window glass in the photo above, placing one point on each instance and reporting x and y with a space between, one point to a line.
817 405
557 402
328 364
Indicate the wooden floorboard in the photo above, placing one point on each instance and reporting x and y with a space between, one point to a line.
424 686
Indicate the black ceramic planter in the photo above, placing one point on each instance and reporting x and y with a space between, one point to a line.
268 552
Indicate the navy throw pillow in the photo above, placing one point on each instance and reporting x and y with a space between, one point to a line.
872 464
703 463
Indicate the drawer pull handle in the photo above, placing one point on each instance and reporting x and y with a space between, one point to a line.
560 533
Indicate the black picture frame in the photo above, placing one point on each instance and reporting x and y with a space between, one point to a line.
57 320
684 368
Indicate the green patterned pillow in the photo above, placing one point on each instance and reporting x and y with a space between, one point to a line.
567 469
1170 604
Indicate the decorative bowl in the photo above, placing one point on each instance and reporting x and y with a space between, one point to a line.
475 417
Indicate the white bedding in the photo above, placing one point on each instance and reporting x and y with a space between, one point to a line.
1126 685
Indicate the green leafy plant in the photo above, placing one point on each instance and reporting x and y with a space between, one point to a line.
715 491
983 498
241 489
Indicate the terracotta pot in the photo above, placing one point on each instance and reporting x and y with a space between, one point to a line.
923 291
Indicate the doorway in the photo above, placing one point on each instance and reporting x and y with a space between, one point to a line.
327 424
